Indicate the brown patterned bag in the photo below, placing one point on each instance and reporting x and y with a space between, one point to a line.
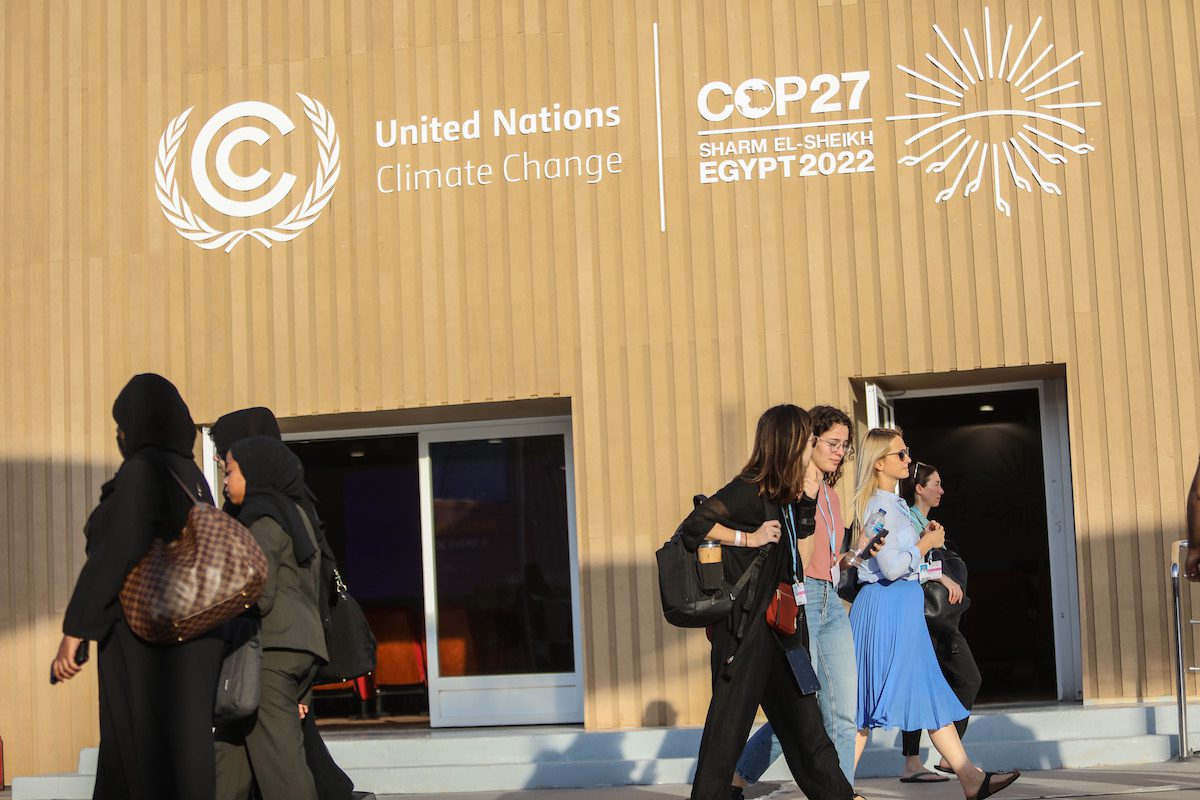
211 573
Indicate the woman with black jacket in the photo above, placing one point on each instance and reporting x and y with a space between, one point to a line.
754 520
267 481
156 700
331 780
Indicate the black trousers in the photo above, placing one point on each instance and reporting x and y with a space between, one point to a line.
332 782
962 673
761 676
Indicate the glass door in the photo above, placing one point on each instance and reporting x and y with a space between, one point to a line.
880 411
501 574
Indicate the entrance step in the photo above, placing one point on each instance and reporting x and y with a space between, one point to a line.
504 759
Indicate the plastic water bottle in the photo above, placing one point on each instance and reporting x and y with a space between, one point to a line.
873 526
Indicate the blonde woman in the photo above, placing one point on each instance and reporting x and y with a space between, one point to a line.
899 682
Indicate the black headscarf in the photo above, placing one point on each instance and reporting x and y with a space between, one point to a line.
150 412
237 425
275 488
140 504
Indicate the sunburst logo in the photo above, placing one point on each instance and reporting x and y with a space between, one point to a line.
997 113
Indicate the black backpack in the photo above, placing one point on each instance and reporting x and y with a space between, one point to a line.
685 601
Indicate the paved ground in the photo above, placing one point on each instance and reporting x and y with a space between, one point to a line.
1171 781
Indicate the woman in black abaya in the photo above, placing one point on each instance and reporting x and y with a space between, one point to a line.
156 701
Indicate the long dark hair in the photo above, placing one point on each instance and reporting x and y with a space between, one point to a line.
824 418
776 462
919 475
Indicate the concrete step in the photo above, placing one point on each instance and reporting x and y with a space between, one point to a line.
506 759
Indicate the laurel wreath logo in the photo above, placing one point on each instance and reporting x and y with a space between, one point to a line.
193 228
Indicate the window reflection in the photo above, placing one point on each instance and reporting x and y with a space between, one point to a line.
502 556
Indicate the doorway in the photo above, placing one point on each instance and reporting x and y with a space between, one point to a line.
369 500
1003 457
459 542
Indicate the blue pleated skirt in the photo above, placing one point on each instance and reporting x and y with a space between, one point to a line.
900 684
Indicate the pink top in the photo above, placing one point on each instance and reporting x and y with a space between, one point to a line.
829 520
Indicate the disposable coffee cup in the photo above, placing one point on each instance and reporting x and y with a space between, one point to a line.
709 552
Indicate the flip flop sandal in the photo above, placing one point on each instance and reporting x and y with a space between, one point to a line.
988 789
943 770
925 777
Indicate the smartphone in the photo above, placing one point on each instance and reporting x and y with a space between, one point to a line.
81 657
802 670
876 539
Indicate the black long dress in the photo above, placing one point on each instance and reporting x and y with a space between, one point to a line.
156 701
759 673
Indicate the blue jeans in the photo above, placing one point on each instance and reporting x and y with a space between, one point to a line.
831 646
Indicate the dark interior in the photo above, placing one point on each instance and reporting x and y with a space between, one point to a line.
994 510
502 559
370 503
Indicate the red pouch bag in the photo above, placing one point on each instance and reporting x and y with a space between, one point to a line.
783 611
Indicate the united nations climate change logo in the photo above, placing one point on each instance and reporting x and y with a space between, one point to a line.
993 116
192 226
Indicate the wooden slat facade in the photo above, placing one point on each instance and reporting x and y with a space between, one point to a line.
668 344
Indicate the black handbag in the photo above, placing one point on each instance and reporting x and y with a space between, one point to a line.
941 615
686 602
240 688
349 641
696 595
848 586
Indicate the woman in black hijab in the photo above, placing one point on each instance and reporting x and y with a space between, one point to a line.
265 479
242 424
332 782
156 701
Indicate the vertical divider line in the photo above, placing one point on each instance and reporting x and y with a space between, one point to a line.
662 195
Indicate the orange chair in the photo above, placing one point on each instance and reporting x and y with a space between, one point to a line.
400 654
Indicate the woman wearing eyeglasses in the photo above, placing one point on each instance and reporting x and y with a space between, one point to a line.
831 645
899 682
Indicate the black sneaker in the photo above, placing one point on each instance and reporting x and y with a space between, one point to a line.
736 793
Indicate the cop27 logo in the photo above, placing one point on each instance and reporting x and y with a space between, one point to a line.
999 111
192 226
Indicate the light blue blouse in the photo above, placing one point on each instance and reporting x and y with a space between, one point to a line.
898 559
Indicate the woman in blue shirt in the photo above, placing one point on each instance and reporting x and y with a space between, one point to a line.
899 682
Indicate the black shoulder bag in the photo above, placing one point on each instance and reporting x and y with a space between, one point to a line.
692 597
348 640
942 616
686 602
848 586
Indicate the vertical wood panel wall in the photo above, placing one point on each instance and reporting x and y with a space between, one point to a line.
668 344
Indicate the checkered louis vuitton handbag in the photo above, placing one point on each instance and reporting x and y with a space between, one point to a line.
211 573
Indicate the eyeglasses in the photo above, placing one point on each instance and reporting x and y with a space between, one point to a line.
836 446
904 456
